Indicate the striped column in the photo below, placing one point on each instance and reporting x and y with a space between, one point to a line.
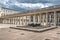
47 18
40 17
55 18
33 18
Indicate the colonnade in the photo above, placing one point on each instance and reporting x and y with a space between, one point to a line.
23 20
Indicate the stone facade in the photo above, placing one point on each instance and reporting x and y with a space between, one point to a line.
45 16
6 11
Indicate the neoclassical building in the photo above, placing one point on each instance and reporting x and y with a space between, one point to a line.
6 11
48 15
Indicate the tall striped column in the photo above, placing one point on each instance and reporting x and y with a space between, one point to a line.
33 18
55 18
47 18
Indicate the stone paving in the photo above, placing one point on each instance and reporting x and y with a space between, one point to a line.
6 25
14 34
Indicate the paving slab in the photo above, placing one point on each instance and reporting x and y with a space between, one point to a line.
13 34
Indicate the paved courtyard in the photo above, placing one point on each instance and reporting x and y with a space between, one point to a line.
6 25
14 34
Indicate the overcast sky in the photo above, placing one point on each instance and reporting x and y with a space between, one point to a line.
28 4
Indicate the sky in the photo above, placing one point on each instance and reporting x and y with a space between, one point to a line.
22 5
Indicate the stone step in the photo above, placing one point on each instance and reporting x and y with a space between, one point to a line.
34 30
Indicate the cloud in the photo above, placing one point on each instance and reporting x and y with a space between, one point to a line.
28 4
33 1
3 1
22 5
33 5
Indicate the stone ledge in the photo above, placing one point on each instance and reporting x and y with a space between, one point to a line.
34 30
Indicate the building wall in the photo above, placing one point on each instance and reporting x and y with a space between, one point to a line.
4 12
24 20
44 17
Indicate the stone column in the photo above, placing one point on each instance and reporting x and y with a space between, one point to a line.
43 18
29 18
55 18
22 20
9 20
6 21
47 19
26 20
3 21
38 18
14 20
19 20
33 18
